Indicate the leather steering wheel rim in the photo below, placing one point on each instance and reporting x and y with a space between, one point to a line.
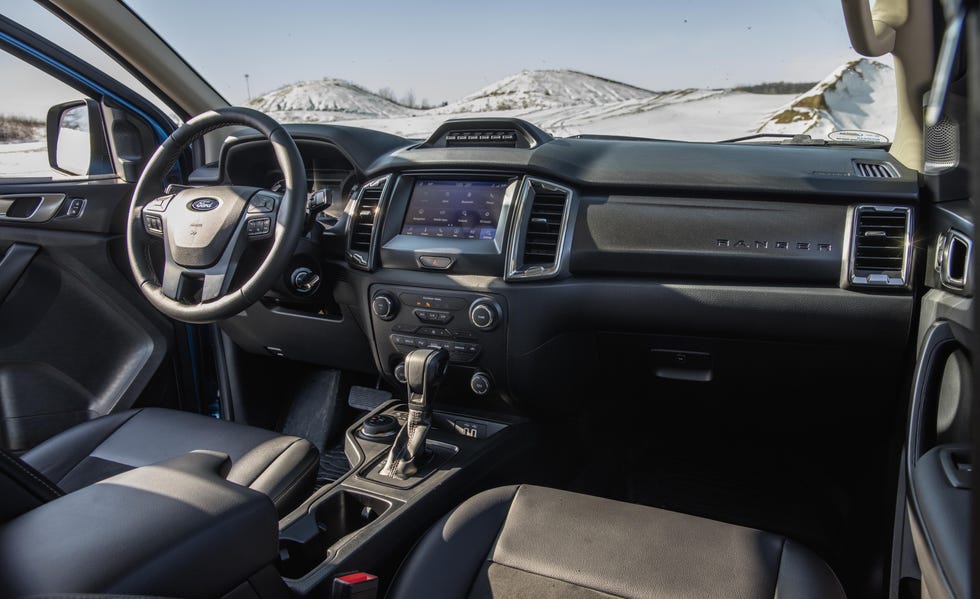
286 227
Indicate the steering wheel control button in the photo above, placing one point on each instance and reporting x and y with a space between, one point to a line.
484 314
434 316
261 203
436 262
256 227
384 305
153 223
159 204
480 383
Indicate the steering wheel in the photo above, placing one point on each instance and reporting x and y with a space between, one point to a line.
205 230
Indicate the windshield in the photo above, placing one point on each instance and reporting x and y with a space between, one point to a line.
688 70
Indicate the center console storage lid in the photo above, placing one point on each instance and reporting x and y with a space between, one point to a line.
175 529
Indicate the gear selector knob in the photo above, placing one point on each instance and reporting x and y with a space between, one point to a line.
424 371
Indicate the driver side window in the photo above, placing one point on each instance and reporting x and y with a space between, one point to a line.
48 130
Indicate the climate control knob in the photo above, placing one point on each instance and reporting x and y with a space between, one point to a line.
480 383
484 314
384 305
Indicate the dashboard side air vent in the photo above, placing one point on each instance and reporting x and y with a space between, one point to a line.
364 214
874 170
880 246
536 248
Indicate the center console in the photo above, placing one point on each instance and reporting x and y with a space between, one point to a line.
367 521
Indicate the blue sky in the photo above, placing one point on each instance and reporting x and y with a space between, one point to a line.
442 50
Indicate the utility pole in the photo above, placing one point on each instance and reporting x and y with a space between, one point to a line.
248 92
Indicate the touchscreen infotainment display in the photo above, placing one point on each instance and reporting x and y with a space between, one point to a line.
454 209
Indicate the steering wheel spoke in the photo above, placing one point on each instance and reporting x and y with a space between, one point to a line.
191 285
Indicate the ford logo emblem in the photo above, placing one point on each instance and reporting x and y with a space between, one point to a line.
204 204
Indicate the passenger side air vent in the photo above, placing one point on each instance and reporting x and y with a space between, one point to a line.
881 250
874 170
536 250
360 240
501 138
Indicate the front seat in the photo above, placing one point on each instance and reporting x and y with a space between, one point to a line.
282 467
527 541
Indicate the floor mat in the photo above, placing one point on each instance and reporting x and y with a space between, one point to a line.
333 465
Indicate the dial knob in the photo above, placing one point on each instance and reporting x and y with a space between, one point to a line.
379 425
384 305
480 383
400 373
484 314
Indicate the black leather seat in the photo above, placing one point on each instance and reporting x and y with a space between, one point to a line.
282 467
534 542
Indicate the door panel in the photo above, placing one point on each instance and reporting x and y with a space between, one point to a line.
77 339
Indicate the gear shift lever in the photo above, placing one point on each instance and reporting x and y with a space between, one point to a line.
424 369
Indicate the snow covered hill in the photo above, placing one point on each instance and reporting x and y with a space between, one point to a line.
326 100
545 89
858 95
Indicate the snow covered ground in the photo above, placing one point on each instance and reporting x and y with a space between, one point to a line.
24 159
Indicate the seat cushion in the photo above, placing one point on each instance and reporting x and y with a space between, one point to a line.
282 467
531 541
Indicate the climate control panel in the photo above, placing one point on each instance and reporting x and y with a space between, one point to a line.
470 326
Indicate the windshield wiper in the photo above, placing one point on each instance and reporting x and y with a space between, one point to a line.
789 139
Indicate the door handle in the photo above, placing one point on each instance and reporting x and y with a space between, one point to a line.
30 207
15 261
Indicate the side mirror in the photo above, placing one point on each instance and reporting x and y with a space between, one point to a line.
76 139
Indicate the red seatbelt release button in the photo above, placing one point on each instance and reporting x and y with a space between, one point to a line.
355 585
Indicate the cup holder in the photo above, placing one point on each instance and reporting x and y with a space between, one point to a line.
306 543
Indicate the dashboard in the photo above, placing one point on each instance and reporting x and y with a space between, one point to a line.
546 265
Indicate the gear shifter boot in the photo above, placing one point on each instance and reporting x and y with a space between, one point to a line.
424 371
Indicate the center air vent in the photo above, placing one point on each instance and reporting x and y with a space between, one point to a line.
881 249
501 138
874 170
364 224
536 250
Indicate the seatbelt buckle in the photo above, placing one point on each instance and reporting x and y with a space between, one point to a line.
355 585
